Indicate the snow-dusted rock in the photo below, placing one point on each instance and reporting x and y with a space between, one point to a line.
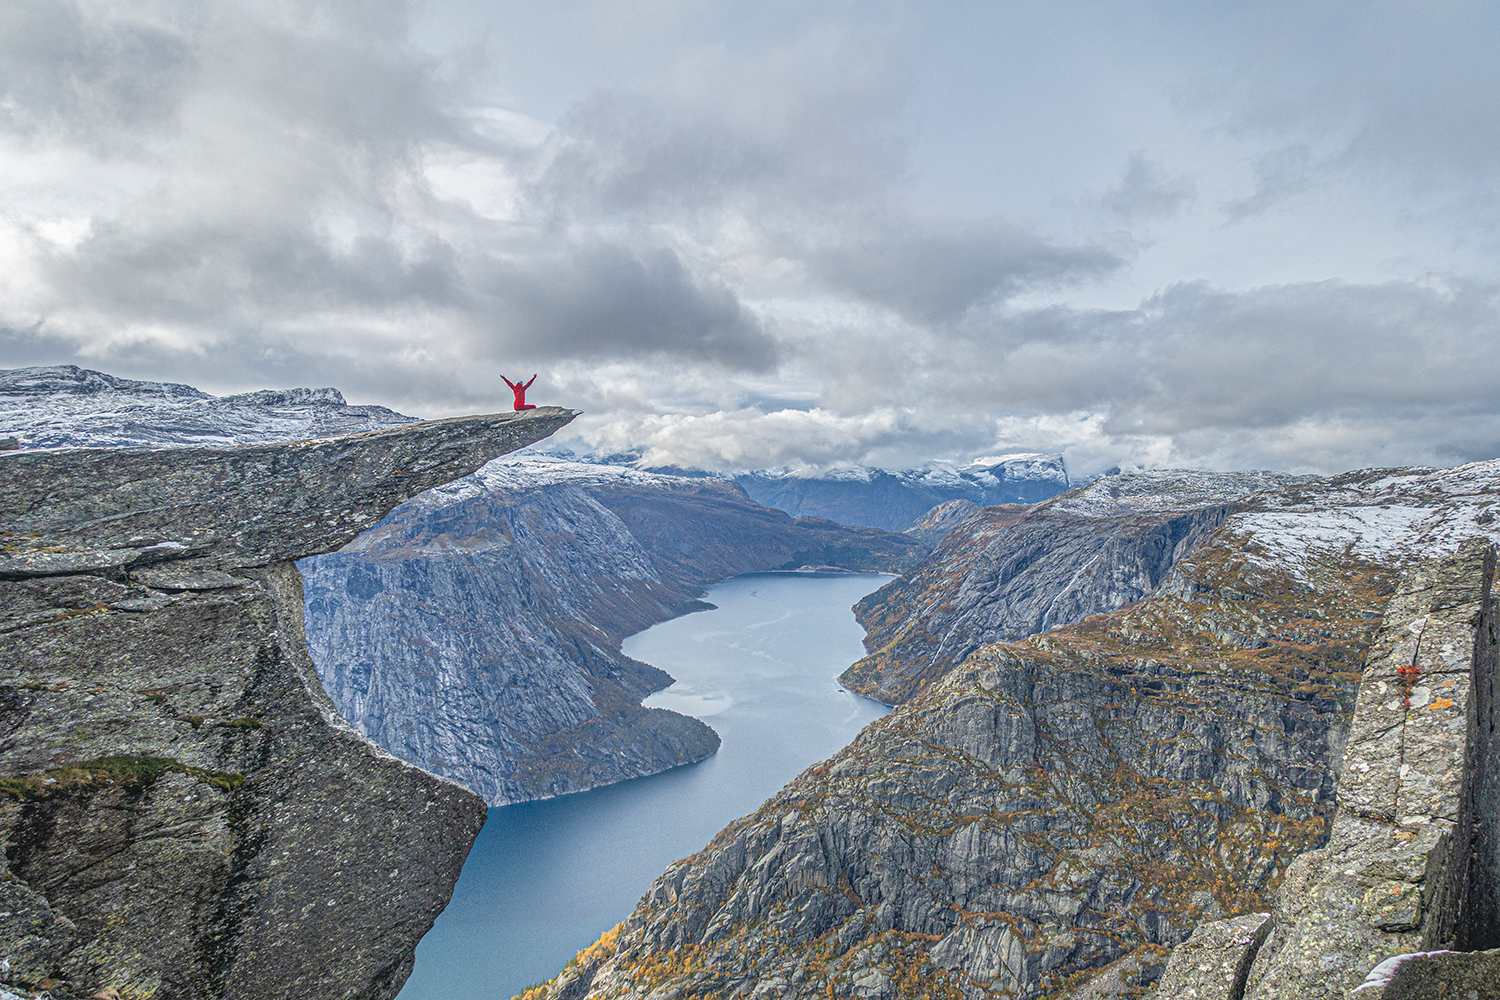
65 406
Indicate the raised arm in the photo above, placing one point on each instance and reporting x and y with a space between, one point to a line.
508 382
528 384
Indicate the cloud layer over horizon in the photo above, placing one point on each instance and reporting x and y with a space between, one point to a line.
819 235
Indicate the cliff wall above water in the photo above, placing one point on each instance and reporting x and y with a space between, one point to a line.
1053 804
476 631
183 813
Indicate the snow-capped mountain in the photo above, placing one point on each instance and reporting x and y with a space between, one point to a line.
877 498
893 499
64 406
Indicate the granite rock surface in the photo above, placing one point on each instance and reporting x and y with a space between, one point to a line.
183 812
1383 887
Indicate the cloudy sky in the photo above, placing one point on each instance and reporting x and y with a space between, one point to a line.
763 233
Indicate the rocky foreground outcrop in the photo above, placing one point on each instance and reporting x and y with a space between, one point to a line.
476 631
1095 791
1404 901
183 813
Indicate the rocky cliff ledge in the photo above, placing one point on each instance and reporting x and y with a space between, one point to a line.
182 811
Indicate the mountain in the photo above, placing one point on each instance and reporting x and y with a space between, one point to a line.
893 499
1007 572
476 631
939 522
1088 794
65 406
184 814
870 497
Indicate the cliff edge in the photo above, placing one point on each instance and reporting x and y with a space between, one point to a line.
182 812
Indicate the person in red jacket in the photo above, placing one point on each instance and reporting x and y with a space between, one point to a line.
519 388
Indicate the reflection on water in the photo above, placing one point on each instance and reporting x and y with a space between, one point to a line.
546 878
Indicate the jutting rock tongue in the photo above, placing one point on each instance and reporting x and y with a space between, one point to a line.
184 814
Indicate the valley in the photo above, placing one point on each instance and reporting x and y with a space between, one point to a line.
548 877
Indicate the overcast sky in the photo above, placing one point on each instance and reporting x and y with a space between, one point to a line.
763 233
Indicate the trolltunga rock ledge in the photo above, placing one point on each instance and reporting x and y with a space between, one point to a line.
183 813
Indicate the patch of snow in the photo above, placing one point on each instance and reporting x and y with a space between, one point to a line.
64 406
522 471
1166 491
1396 519
1380 976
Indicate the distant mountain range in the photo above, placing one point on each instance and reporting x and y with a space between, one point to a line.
894 499
876 498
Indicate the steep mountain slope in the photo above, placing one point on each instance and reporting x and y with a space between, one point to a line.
892 500
476 631
1006 573
939 522
1050 804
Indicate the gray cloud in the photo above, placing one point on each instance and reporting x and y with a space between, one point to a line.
732 259
937 273
288 149
97 80
1195 357
1279 176
606 302
1147 191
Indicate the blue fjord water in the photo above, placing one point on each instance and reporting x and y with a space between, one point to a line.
546 878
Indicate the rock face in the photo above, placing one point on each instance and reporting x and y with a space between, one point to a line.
939 522
1216 959
892 500
1393 878
1008 572
183 812
65 406
1051 805
476 632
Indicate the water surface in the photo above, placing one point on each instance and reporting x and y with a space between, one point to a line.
546 878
